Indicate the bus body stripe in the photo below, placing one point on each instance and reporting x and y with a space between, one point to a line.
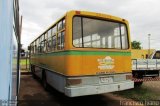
105 53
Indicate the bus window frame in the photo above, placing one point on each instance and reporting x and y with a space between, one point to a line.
104 19
55 25
63 29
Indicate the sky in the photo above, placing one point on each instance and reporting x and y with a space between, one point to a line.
143 16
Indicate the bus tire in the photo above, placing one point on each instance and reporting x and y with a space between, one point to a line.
33 71
138 84
44 81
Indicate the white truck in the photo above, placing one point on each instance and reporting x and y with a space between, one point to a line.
146 69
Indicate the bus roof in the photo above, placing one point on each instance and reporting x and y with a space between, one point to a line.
83 13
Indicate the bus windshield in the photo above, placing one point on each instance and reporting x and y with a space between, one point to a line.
96 33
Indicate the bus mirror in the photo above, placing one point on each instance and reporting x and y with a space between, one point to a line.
29 48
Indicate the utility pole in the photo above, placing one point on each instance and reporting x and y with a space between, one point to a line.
149 45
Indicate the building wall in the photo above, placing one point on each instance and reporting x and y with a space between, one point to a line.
140 54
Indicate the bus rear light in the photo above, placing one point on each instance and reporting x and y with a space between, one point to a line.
71 82
128 77
78 12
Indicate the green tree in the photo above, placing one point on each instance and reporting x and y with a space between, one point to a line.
136 45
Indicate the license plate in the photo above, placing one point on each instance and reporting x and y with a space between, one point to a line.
106 79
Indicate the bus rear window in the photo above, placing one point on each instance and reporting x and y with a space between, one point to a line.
95 33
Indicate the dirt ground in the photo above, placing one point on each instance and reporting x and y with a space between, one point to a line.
33 94
153 86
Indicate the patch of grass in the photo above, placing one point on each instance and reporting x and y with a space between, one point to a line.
139 93
23 62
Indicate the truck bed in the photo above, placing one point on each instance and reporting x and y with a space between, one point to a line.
145 68
146 64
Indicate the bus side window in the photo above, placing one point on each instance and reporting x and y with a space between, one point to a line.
40 47
49 40
32 48
64 23
49 44
54 39
45 42
62 39
60 26
54 42
37 46
54 30
59 41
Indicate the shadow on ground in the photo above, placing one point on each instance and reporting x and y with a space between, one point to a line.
33 94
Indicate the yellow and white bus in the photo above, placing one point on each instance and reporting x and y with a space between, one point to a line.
84 53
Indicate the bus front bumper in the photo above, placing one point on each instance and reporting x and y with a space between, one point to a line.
98 89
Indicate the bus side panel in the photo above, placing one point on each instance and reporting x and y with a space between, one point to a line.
74 65
77 64
57 81
54 69
49 62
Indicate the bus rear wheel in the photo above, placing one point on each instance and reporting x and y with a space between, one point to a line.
44 81
33 71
